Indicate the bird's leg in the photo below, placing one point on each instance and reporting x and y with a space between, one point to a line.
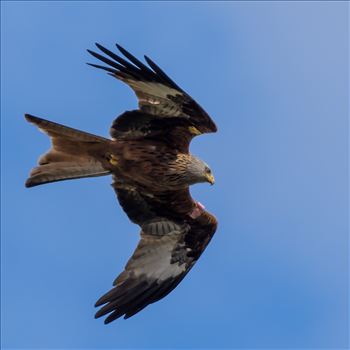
112 159
197 210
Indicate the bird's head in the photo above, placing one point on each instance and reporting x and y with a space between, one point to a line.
199 171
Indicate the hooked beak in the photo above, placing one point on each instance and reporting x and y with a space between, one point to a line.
210 179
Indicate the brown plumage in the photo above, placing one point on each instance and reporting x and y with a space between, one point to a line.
148 157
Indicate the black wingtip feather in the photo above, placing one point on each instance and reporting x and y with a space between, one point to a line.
106 60
107 69
120 48
161 74
109 53
29 183
135 61
133 67
32 119
128 67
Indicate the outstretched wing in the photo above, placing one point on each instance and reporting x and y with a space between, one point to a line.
159 98
171 242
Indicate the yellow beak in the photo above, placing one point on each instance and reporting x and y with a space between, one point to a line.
211 179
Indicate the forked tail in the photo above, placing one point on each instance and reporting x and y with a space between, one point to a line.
74 154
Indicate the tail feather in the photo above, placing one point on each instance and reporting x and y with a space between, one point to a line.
74 154
62 171
55 129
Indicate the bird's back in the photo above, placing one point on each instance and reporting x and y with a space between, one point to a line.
152 163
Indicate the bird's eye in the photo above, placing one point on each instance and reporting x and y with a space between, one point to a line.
207 170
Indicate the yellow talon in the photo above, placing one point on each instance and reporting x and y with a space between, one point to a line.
113 159
193 130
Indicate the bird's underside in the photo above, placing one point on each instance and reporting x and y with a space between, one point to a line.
152 169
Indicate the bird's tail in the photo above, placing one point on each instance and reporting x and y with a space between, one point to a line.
74 154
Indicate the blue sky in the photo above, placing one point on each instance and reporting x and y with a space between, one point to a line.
274 77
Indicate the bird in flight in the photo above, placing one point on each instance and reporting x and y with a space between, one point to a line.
152 168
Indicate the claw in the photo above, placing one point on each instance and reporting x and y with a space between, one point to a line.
112 159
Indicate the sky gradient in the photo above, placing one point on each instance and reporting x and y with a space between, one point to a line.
274 77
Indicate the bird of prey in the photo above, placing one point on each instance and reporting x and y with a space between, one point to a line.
148 157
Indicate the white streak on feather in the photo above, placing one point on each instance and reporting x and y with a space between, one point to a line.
154 89
154 259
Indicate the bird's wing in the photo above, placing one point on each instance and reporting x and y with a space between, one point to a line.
171 242
136 125
159 97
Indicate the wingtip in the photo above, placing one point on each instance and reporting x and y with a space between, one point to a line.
32 119
112 317
119 47
149 61
91 64
28 117
99 303
30 183
99 46
27 184
97 315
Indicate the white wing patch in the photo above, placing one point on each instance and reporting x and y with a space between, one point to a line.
153 258
153 89
155 97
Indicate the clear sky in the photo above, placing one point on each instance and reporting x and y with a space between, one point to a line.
274 77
